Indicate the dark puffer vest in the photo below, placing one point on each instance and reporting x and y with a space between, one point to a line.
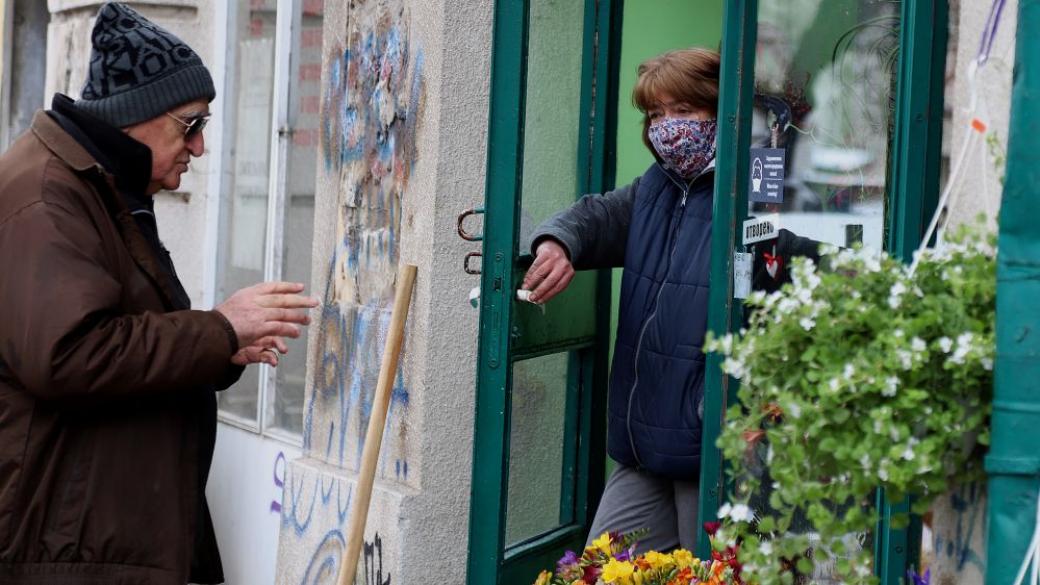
659 229
657 378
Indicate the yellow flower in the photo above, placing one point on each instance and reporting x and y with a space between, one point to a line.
603 543
543 578
683 558
617 572
657 560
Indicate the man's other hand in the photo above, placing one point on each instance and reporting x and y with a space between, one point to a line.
264 351
267 310
550 273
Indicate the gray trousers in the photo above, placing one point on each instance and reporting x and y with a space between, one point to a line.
636 499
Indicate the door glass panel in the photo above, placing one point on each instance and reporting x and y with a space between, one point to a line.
538 415
244 217
824 93
552 176
285 402
825 69
553 112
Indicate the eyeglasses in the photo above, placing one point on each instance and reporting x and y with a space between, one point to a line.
192 126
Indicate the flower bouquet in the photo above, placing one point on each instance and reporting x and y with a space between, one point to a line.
611 559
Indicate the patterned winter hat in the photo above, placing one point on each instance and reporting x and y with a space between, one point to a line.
139 70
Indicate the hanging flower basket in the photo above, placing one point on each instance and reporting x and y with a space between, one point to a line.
858 375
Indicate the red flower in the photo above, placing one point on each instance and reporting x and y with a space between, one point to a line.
712 527
591 574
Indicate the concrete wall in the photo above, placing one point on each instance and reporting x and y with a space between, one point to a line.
404 122
26 52
956 548
979 189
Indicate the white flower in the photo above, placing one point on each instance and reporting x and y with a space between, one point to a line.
987 364
883 469
898 333
794 410
724 510
741 513
865 461
945 344
807 323
848 372
786 306
906 359
764 547
918 345
834 384
734 368
804 295
891 385
963 347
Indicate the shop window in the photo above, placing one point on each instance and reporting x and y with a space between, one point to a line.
269 153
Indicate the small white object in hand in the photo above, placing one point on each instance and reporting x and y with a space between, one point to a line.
524 295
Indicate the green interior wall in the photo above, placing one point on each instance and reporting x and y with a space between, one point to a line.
651 27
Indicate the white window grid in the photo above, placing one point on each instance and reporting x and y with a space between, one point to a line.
287 37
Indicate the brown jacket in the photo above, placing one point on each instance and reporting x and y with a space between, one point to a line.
106 393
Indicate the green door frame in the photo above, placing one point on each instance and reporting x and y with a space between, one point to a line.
488 558
914 180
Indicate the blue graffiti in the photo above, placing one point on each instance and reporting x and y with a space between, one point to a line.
324 564
291 515
965 503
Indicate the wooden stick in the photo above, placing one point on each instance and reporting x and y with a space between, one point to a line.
376 422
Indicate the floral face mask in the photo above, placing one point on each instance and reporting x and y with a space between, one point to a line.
685 146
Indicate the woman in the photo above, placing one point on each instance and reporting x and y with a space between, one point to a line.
659 229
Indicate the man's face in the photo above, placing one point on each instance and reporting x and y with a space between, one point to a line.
171 149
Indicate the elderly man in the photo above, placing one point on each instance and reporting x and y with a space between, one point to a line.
107 377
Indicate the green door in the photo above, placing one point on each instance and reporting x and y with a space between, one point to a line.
540 413
851 91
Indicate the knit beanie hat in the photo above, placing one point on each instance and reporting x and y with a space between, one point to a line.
139 70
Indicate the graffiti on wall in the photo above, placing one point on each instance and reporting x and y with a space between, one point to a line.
324 565
955 542
280 464
321 505
371 106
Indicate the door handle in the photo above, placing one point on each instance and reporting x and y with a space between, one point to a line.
463 233
466 235
465 263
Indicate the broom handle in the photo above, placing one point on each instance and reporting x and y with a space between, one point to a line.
376 422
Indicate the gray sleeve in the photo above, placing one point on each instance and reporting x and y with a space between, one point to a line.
593 231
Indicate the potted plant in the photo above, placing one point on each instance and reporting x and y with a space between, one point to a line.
859 375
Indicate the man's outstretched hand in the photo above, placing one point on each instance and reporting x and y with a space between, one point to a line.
264 314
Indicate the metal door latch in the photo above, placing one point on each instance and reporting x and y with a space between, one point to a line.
469 237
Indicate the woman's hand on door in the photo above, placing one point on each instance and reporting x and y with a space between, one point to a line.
550 274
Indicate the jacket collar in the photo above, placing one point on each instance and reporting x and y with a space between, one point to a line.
128 159
62 144
679 181
66 148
